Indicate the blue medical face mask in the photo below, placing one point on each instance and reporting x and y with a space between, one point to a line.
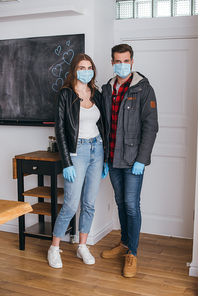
122 69
85 76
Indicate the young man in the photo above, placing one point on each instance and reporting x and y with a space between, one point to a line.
132 126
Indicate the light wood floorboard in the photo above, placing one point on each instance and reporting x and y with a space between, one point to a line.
162 269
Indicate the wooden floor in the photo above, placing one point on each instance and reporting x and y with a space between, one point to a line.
162 269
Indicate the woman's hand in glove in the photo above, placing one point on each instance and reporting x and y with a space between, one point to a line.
69 173
105 170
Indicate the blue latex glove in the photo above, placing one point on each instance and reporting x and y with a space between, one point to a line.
69 173
105 170
138 168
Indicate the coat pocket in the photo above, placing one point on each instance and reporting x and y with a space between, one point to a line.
130 150
131 116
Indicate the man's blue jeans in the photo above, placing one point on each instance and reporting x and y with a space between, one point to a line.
88 164
127 188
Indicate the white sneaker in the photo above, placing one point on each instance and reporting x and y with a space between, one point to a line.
85 255
54 258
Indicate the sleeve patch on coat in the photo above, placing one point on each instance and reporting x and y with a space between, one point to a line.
153 104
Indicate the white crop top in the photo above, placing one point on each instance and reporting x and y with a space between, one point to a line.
87 125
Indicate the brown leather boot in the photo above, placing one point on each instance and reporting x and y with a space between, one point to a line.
118 251
130 267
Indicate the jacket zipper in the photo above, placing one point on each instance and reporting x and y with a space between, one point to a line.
78 121
139 89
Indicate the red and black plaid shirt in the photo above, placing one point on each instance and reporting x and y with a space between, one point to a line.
116 101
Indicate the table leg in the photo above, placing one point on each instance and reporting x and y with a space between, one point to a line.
73 225
21 198
54 196
40 199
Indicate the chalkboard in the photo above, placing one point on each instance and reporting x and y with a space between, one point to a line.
32 70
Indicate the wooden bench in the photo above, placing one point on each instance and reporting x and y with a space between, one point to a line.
12 209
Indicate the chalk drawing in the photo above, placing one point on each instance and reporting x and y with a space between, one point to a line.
68 56
57 85
56 71
58 50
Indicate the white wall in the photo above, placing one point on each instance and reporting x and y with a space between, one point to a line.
98 29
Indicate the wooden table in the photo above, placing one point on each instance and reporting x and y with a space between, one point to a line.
13 209
40 163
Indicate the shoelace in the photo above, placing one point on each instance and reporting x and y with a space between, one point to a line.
86 251
129 259
57 252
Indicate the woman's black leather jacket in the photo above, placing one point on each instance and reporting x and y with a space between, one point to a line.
67 122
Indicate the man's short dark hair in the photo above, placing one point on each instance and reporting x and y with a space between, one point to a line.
121 48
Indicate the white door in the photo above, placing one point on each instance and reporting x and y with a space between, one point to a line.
171 65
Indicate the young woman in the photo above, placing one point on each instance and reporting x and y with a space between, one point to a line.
80 134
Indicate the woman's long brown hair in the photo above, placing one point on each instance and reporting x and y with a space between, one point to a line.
71 79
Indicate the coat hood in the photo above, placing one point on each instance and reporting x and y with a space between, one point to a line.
137 77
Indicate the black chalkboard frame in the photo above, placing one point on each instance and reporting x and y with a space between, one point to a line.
31 72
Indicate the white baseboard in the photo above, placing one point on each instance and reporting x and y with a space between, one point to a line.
91 240
193 270
9 228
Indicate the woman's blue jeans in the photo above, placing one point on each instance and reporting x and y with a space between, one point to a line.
88 164
127 188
